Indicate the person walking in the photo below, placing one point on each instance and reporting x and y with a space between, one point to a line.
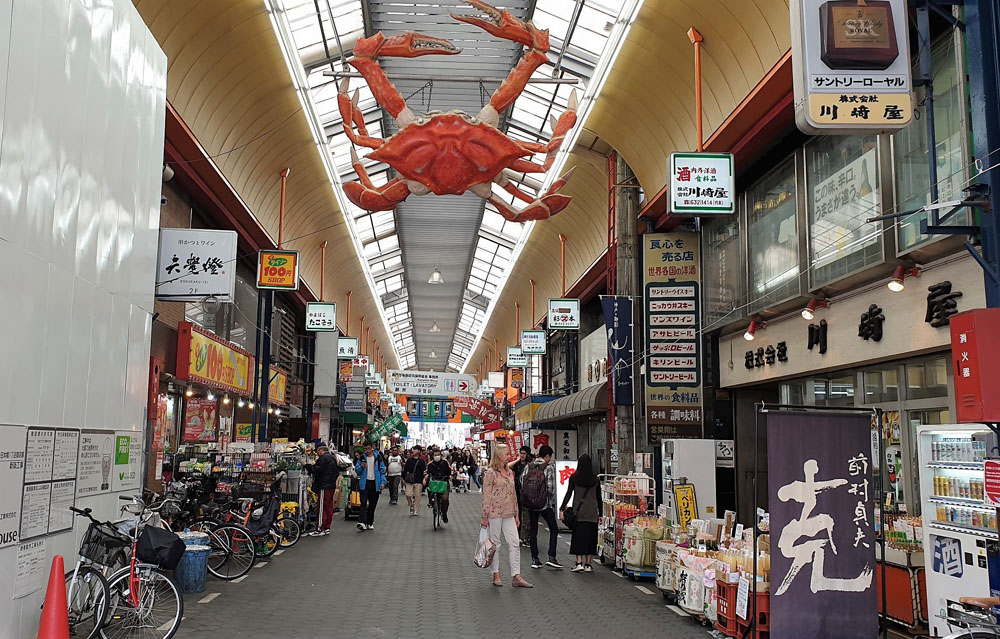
413 480
538 494
394 471
325 475
588 509
440 470
371 481
472 468
518 465
500 515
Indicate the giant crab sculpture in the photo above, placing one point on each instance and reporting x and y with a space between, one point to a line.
452 152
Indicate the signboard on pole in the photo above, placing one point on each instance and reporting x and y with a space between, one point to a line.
821 490
496 379
702 183
672 281
516 378
431 383
850 66
321 316
564 314
515 357
194 264
618 323
278 270
347 348
533 342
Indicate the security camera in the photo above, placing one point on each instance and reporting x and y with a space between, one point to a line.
163 200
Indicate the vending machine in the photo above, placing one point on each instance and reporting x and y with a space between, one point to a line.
960 528
689 461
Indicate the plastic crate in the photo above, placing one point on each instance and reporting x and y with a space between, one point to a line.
725 619
763 629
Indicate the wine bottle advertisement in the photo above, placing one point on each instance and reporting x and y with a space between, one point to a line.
839 202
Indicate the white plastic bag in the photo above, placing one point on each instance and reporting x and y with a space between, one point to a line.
485 549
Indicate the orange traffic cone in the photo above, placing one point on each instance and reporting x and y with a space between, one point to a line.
55 617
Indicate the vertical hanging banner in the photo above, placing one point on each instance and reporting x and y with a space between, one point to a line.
672 287
618 322
822 496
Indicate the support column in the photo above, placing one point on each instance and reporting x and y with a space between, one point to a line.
629 431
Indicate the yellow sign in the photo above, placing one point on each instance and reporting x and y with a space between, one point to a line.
876 109
685 504
278 270
278 387
244 432
212 362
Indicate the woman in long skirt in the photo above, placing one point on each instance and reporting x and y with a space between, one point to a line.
587 506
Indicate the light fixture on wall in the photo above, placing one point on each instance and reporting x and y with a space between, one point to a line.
240 403
752 330
251 405
277 411
211 396
896 282
434 327
809 312
189 392
225 399
270 411
435 277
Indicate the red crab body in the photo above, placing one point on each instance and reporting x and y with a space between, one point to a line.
449 152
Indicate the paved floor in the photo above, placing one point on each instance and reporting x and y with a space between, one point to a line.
405 580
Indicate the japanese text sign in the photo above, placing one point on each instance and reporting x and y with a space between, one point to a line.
701 183
533 342
822 497
204 358
564 314
515 357
685 504
618 324
851 66
278 270
347 348
194 264
672 281
321 316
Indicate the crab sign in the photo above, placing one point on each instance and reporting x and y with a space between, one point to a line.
453 152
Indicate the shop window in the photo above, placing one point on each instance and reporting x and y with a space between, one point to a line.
841 391
819 392
882 385
244 330
793 393
723 270
912 172
773 235
927 379
843 181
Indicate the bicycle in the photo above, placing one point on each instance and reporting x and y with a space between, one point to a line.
142 600
435 489
86 586
974 621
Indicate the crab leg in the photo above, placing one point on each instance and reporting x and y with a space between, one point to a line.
370 197
543 208
349 112
403 45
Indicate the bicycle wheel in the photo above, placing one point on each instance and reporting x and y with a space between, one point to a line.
156 611
268 544
232 552
289 530
86 601
437 511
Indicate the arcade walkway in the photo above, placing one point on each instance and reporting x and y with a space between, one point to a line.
406 581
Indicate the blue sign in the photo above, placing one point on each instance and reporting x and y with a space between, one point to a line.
618 322
947 556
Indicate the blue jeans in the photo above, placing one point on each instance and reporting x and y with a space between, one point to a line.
475 477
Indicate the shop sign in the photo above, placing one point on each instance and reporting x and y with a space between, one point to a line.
821 484
941 304
476 408
533 342
817 336
672 282
321 316
194 264
765 356
346 370
373 397
347 347
685 504
701 183
870 326
618 323
496 379
204 358
564 470
517 378
200 419
851 66
278 388
244 432
992 482
564 314
516 357
278 270
725 453
431 383
946 556
565 445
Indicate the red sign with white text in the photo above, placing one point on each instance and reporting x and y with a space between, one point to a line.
477 408
992 485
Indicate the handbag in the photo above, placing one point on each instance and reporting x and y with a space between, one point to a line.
485 550
569 514
411 477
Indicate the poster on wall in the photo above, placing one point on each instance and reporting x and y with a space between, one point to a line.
244 431
31 567
127 461
11 478
200 418
49 488
93 468
672 281
821 493
38 455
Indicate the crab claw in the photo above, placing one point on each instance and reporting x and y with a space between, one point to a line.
503 24
413 45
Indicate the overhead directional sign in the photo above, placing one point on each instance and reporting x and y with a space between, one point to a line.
431 383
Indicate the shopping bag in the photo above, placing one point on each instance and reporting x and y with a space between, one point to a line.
485 549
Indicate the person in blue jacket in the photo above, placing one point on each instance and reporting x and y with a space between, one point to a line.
371 480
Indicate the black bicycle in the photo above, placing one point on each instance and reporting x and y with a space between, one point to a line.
435 489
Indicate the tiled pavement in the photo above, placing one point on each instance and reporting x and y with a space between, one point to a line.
405 580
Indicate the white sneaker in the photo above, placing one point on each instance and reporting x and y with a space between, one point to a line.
371 526
588 568
577 568
326 532
362 526
316 533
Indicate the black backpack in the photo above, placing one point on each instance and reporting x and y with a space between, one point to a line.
534 488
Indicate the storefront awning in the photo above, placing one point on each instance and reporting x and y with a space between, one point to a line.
589 401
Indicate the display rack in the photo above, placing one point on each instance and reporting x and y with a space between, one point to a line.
625 498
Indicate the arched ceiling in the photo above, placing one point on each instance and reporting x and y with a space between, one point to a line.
645 116
228 80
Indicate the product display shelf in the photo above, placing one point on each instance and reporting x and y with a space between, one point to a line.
625 497
969 530
959 501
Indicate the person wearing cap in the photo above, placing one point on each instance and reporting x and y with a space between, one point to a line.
325 474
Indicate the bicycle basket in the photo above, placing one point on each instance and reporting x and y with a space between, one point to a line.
160 547
437 486
99 543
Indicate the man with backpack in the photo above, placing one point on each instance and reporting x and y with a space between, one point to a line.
538 495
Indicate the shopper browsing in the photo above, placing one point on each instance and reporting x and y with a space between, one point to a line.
395 474
371 481
538 494
325 474
587 509
500 514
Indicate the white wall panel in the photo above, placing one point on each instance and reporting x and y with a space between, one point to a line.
78 355
7 327
31 273
6 7
137 381
99 371
55 345
117 360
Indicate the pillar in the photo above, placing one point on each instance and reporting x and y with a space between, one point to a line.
629 431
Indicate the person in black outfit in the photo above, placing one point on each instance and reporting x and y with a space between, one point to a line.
440 470
413 477
587 505
518 467
325 473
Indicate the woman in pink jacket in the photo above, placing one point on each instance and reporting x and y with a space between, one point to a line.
500 513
